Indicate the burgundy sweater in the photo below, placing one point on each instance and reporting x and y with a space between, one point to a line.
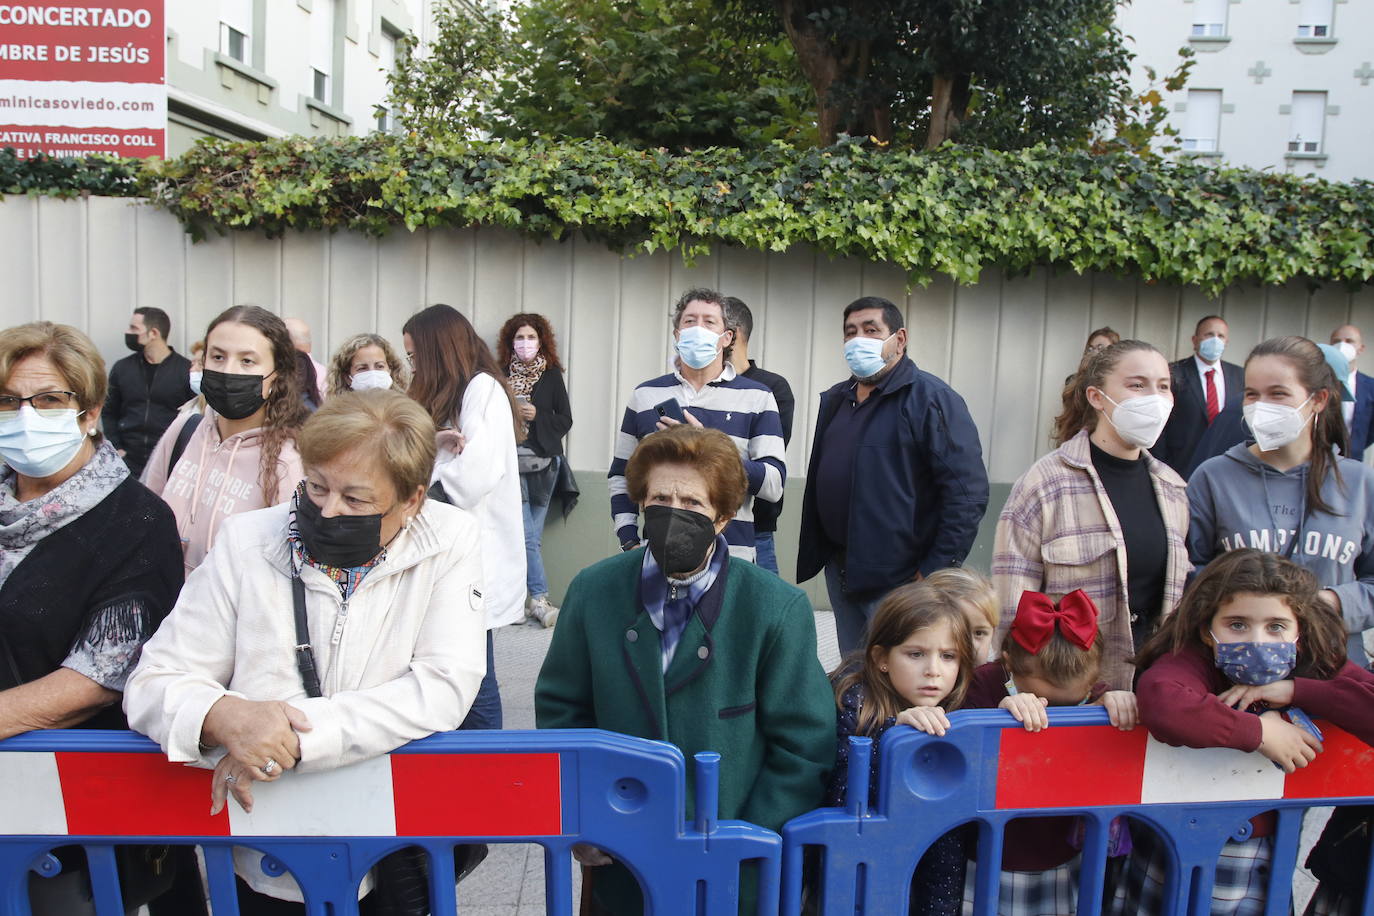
1178 704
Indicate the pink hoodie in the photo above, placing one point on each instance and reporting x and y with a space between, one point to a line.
214 479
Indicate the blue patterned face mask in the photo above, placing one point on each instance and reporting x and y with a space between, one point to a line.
1256 663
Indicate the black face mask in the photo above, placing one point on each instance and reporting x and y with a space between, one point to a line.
131 341
230 395
343 541
678 538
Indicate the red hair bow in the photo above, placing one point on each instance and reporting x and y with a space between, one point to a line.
1036 616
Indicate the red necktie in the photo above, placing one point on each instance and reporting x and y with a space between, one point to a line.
1212 407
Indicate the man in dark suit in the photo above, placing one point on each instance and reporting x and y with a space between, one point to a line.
1359 414
1206 419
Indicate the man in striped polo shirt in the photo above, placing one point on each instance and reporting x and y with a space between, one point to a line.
709 393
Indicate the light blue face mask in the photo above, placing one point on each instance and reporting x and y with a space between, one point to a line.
40 446
1211 349
864 355
697 346
194 380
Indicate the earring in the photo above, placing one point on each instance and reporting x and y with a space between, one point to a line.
883 668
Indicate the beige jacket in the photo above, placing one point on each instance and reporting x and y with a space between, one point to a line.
401 660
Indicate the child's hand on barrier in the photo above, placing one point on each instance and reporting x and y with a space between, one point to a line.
1028 709
1286 744
1242 696
929 719
588 855
1121 708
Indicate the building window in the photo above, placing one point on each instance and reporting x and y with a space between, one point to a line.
1202 123
1308 124
322 50
386 51
1314 19
236 29
1209 18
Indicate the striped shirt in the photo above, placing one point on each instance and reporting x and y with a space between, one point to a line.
739 407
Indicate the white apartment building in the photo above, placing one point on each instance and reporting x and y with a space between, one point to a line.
253 69
1284 85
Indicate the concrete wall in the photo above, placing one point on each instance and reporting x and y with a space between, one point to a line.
1005 344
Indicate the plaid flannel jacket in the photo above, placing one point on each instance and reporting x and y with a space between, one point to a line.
1058 532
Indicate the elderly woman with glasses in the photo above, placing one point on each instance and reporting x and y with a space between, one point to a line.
387 585
67 502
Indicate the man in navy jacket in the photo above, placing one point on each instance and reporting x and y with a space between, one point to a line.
896 486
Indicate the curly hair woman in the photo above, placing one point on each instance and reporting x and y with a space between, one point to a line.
245 458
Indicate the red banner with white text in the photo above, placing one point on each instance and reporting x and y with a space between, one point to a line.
81 78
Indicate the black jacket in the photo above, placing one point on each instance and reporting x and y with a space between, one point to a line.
135 415
766 513
1188 439
922 492
553 414
128 555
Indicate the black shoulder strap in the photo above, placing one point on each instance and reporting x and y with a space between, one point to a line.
183 437
305 656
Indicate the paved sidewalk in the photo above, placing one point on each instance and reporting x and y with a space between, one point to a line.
511 881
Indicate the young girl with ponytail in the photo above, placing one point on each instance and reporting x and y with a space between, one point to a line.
1288 492
1099 513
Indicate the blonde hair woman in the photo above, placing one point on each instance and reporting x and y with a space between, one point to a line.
363 363
68 503
389 585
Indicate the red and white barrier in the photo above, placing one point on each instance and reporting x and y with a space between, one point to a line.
141 794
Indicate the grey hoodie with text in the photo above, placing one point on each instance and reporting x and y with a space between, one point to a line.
1235 500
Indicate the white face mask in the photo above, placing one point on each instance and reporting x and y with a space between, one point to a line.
1139 421
1275 425
40 445
370 379
1347 350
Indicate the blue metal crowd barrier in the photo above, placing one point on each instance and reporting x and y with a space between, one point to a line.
987 770
100 789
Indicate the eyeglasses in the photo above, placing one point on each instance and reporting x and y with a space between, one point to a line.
46 403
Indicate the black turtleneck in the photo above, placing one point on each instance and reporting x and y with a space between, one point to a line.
1133 497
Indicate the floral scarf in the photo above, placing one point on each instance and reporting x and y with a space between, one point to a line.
24 524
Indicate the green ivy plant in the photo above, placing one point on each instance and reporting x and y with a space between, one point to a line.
107 176
956 211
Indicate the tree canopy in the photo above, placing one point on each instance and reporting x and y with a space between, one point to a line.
695 73
997 73
646 73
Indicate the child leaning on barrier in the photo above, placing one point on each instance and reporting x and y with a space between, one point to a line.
978 599
1052 657
912 668
1251 653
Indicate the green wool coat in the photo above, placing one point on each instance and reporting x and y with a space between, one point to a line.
746 684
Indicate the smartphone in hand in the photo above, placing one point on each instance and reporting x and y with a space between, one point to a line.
670 409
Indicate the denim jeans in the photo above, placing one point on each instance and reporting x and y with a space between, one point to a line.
486 708
767 555
851 613
535 582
